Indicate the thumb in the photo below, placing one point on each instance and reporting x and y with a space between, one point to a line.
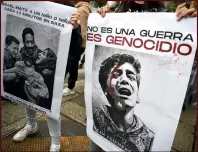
191 11
194 14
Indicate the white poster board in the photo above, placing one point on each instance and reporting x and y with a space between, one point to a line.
35 45
137 70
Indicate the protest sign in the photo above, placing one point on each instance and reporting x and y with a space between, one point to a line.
136 75
35 45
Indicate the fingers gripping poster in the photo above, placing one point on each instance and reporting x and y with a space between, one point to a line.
35 45
138 67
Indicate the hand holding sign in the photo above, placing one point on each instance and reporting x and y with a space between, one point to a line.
75 20
103 10
182 11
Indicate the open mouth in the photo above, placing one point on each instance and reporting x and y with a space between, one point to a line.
30 51
38 58
124 91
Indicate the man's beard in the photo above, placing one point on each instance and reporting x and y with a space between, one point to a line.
30 50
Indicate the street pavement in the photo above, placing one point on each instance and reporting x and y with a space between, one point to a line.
73 128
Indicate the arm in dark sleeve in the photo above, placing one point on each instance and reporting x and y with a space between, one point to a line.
5 63
75 44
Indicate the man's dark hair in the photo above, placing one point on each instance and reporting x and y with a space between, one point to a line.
27 31
117 59
9 39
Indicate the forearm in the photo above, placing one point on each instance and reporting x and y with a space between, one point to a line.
11 70
9 76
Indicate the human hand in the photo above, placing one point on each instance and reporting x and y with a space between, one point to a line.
35 84
27 83
47 72
103 10
20 72
75 20
18 57
182 12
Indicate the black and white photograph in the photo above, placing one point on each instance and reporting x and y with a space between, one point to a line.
29 60
118 74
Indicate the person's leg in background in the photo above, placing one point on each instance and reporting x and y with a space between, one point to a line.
94 147
83 58
190 98
73 75
82 61
66 72
55 133
30 128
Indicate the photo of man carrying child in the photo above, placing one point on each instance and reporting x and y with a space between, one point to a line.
28 72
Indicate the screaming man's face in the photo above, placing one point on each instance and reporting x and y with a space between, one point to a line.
13 49
122 83
41 56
